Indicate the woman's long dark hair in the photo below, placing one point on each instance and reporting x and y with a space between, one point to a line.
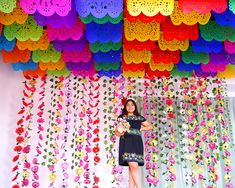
124 111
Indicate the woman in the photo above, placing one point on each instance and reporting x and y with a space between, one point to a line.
131 152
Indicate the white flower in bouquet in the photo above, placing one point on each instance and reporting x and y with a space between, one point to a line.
123 126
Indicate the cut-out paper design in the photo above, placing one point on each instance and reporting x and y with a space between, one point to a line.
25 66
42 43
173 45
229 47
212 30
141 31
178 17
28 30
65 33
188 6
190 56
99 9
50 54
181 32
104 33
150 8
16 56
136 57
7 6
77 56
202 45
166 57
52 65
45 7
17 15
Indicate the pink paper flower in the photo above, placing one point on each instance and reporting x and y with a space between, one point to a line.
148 157
172 177
172 145
200 176
149 165
220 109
227 168
168 101
172 160
35 184
229 185
51 168
204 137
212 145
35 176
206 154
25 182
155 181
194 181
149 180
26 149
27 165
207 102
227 153
34 169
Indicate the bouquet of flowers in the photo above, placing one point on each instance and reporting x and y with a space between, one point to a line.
123 125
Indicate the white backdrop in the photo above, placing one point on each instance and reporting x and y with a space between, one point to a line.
11 91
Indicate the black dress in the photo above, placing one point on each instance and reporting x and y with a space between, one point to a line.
130 144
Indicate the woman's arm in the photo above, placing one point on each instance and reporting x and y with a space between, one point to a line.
146 126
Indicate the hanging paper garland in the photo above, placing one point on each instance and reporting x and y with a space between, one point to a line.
30 65
180 73
202 45
173 45
188 66
180 32
7 6
46 8
64 33
212 30
27 145
99 9
40 131
229 47
51 65
70 45
41 44
28 30
188 6
190 56
178 17
225 18
5 44
50 54
95 95
22 133
57 21
152 8
141 31
17 15
16 55
78 135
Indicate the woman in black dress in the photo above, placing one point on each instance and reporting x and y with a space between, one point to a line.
131 152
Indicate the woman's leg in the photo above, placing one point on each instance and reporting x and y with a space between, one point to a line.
134 171
131 181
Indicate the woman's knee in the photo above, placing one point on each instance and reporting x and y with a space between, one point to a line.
133 166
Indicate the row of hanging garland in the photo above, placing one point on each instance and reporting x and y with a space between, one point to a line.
71 137
161 38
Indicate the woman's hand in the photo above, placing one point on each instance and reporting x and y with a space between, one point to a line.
117 133
146 126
